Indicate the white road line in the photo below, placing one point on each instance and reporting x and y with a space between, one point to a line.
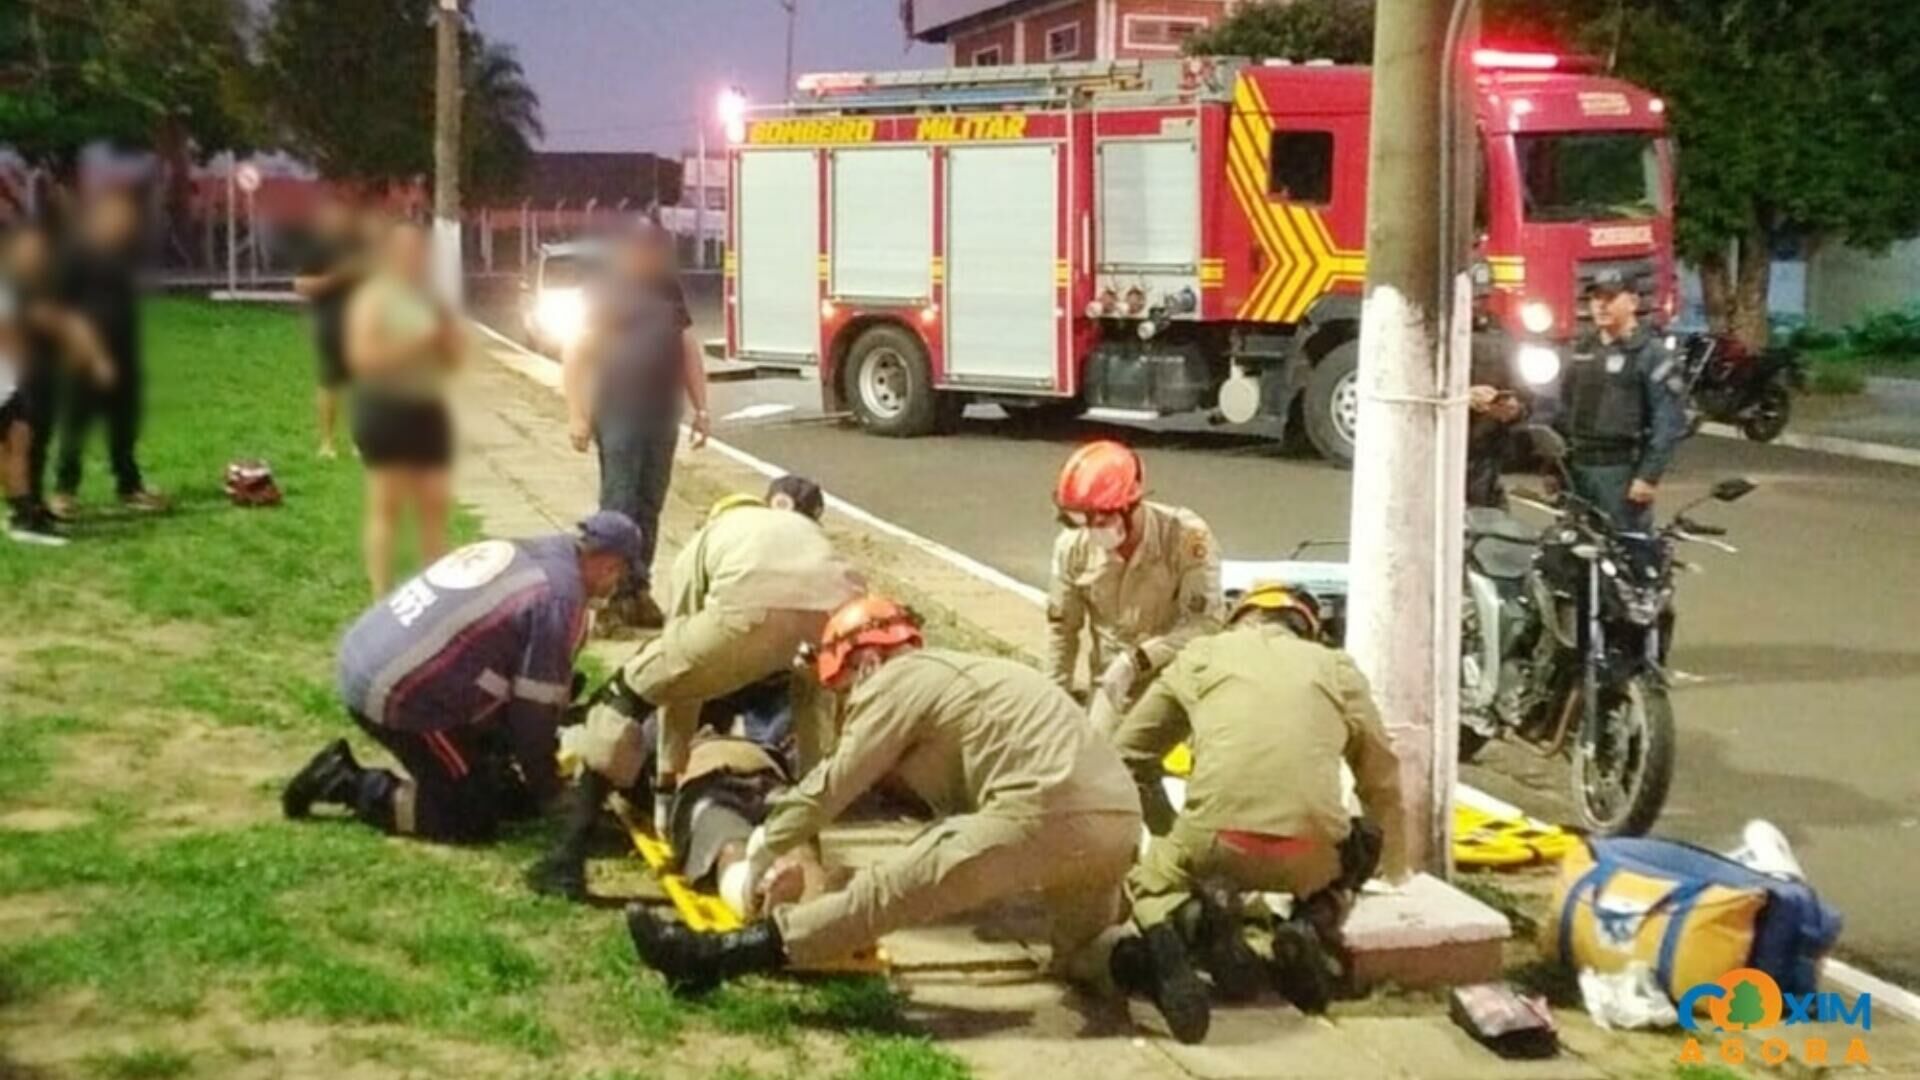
1886 995
547 373
1829 444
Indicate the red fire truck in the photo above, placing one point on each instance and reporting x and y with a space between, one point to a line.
1158 236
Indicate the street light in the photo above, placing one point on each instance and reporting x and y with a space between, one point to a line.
733 114
793 15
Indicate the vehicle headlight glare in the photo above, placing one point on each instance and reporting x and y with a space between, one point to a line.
1536 316
1538 364
561 313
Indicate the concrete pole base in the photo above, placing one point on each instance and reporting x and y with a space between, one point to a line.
1427 934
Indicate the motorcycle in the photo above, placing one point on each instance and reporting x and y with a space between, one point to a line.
1730 383
1564 644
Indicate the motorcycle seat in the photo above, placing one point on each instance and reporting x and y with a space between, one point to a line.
1498 545
1484 521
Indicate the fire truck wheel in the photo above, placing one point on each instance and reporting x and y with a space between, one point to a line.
890 385
1333 403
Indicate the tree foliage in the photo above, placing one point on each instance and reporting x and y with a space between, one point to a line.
1337 30
162 74
1792 118
351 86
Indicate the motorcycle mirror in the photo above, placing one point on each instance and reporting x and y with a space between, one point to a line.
1733 489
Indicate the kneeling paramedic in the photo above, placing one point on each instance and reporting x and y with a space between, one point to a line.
752 586
1142 578
1024 799
463 673
1271 715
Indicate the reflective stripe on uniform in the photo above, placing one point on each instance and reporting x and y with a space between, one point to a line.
405 666
541 692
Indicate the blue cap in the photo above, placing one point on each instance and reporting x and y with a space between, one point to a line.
611 530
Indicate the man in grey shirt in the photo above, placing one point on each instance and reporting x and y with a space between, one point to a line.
624 379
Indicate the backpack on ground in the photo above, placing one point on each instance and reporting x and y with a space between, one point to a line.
1688 913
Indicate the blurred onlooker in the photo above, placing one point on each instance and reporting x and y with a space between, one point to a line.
334 264
39 341
402 344
625 377
97 283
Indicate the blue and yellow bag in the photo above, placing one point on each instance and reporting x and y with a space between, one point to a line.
1689 914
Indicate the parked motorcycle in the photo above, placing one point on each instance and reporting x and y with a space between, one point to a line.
1730 383
1564 644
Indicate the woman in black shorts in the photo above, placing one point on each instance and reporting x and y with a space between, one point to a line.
402 345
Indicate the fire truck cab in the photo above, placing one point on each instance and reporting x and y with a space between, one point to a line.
1158 236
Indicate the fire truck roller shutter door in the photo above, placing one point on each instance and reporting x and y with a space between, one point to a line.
1149 208
882 223
1002 246
778 240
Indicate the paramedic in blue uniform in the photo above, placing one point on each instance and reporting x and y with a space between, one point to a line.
464 675
1623 406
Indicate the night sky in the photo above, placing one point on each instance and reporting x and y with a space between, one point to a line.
631 74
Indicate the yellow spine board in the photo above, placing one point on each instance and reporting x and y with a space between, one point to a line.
711 915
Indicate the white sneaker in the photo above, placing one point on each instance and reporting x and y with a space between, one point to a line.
30 532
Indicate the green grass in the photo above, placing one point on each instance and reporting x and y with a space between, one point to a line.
217 624
152 1063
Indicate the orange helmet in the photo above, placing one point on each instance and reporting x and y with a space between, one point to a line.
861 622
1101 478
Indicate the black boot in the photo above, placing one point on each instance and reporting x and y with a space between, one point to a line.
563 870
1155 966
331 777
1211 925
1303 971
695 962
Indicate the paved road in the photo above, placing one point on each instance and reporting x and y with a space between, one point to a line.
1806 645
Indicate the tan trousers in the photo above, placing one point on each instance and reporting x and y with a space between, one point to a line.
1077 862
1189 854
702 656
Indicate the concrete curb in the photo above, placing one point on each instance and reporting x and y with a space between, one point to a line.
1828 444
543 371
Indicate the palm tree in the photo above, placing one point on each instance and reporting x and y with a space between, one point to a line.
501 116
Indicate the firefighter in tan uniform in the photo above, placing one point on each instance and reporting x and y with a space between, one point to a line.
1025 799
752 587
1142 579
1271 715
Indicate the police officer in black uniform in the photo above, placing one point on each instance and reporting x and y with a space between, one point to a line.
1494 414
1623 406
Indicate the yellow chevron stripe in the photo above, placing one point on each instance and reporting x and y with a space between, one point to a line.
1303 259
1252 202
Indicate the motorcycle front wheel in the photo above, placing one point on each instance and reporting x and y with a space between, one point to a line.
1620 783
1768 418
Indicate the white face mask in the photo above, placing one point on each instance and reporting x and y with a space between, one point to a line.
1108 537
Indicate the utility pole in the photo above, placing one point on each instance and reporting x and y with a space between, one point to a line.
446 151
1409 472
793 16
233 251
699 190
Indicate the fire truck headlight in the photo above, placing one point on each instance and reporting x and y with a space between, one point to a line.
1536 316
1538 364
561 314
